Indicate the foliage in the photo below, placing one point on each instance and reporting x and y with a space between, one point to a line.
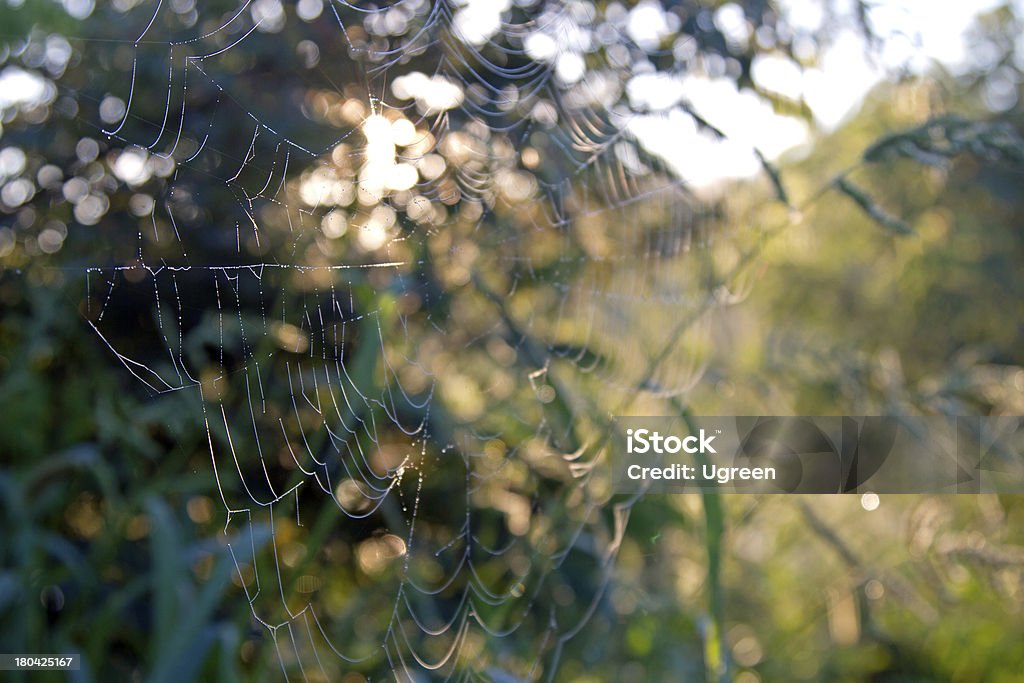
110 507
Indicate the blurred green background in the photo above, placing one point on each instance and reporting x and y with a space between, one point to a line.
875 270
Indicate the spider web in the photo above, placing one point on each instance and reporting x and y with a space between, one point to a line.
446 265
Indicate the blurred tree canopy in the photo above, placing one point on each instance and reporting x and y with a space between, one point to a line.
454 209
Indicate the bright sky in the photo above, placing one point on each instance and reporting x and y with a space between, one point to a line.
917 34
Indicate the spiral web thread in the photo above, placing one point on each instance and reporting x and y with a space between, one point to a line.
438 282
